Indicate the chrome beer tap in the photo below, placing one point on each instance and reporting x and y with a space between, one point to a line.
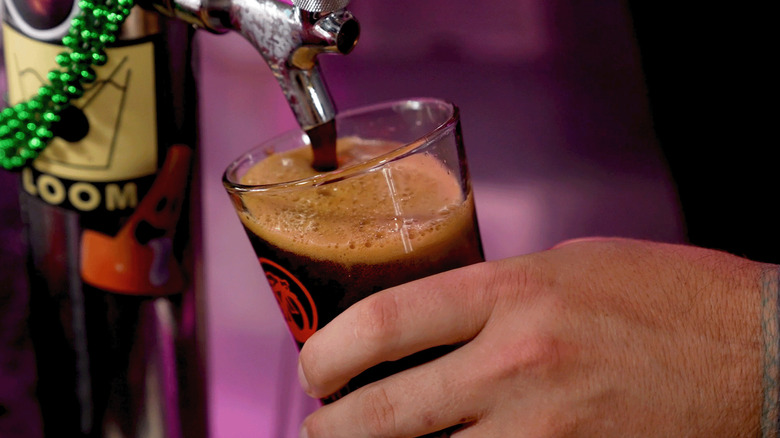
289 37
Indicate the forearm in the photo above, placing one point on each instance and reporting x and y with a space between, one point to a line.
770 332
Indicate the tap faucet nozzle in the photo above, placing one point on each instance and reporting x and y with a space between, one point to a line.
289 37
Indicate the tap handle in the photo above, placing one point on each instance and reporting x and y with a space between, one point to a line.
320 5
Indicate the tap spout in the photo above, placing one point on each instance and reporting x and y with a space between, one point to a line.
288 37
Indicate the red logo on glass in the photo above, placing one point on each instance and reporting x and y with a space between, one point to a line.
294 300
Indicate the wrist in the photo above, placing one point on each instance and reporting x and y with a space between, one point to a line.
770 336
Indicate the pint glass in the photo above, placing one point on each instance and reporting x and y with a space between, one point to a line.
398 207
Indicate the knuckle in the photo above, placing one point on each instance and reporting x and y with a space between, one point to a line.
378 413
314 426
539 356
307 356
509 280
378 321
554 424
310 362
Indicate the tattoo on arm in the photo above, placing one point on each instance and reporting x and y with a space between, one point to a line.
770 333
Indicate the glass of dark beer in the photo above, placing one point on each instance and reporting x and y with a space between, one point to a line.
399 207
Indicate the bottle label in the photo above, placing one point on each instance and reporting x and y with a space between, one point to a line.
105 165
112 129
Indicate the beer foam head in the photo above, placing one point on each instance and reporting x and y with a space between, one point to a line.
381 213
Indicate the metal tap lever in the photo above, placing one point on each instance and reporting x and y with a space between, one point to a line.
320 5
289 37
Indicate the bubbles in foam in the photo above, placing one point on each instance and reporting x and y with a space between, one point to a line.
364 217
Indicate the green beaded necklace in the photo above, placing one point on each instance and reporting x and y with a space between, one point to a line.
25 129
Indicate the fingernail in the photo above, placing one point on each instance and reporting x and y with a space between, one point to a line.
302 380
303 433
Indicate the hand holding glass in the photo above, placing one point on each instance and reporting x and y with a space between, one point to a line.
398 208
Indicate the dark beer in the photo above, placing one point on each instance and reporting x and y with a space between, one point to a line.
325 247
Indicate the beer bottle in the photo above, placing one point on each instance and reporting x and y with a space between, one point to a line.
111 221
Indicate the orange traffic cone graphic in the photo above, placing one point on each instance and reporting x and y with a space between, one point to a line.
139 260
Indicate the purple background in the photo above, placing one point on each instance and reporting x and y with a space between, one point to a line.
557 130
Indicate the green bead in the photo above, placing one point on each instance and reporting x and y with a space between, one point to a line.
99 58
74 91
17 161
86 5
26 153
4 130
20 136
78 56
60 98
67 77
45 91
51 117
36 144
88 75
7 112
14 124
113 17
35 105
63 60
106 38
44 132
24 117
70 42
